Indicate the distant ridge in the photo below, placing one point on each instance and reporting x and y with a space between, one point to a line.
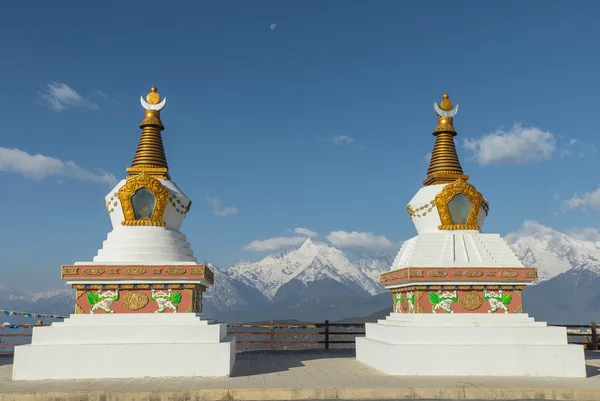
316 282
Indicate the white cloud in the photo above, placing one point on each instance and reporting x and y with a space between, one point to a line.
219 210
428 157
575 147
357 240
98 92
585 234
39 166
306 232
105 96
59 96
273 244
587 200
342 139
520 145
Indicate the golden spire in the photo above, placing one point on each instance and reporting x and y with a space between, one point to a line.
150 155
444 166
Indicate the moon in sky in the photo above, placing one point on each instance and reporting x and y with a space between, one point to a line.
273 26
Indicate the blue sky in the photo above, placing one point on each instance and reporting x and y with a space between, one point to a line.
322 123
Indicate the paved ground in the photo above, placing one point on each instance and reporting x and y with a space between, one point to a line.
304 375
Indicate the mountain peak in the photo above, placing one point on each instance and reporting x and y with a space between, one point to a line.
311 261
312 243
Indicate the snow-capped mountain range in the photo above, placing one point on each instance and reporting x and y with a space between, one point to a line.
553 252
316 281
312 261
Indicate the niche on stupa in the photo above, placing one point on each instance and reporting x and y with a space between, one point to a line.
459 208
144 200
458 205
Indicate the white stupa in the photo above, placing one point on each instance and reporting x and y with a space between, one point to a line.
457 305
139 302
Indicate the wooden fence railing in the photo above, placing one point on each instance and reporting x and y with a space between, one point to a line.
304 335
312 333
10 336
588 332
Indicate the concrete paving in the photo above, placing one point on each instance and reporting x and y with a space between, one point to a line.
302 375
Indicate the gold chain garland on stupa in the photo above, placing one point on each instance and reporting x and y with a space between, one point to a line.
150 154
444 166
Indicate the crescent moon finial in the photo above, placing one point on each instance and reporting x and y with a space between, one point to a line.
153 101
157 107
443 113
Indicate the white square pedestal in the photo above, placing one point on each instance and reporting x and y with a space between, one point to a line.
469 344
126 346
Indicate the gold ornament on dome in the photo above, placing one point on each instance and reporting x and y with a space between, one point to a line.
175 271
70 271
531 274
446 103
447 194
135 300
160 193
470 301
135 271
153 97
94 272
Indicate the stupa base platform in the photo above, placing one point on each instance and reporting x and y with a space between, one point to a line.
474 344
127 346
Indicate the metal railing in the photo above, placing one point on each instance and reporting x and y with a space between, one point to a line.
10 339
589 333
312 333
275 335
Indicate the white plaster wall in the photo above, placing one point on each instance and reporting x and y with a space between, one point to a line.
469 344
456 248
145 244
126 346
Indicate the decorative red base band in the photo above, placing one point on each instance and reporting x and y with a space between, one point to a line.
458 299
138 298
458 274
113 272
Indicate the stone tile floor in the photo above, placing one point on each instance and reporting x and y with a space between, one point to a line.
296 370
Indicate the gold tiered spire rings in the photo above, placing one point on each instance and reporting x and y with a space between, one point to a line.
150 154
444 166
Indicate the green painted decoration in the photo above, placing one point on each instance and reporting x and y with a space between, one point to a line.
397 302
498 300
166 300
443 300
102 300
